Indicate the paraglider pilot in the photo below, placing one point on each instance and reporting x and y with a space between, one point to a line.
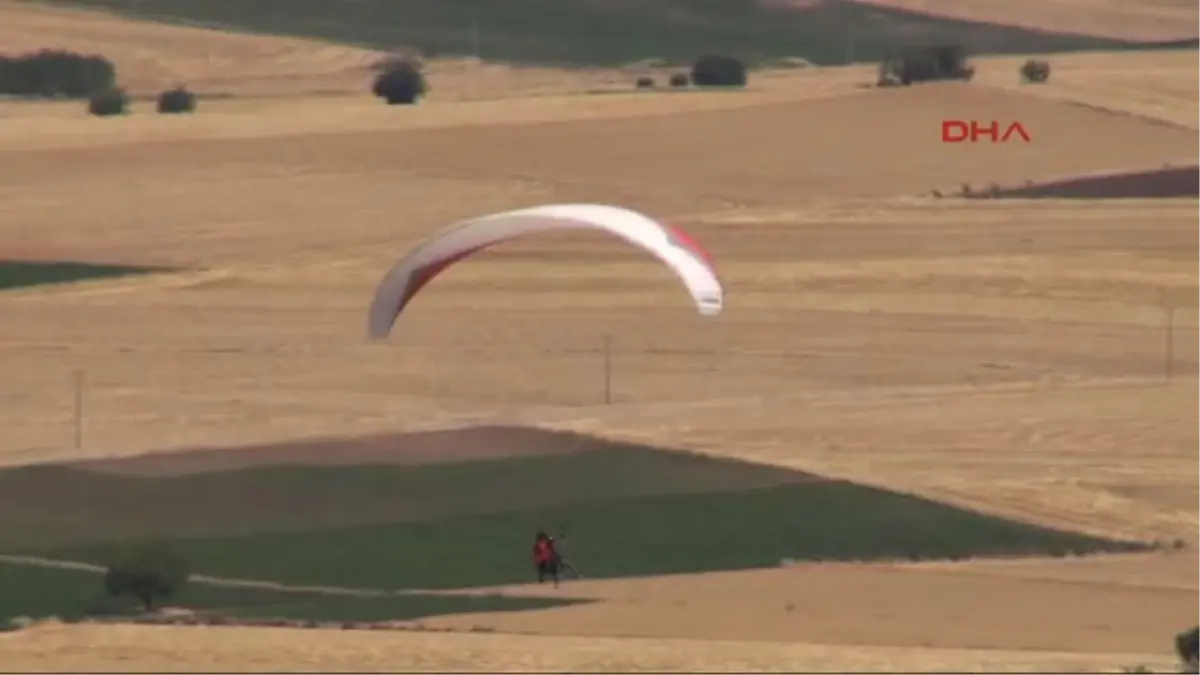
545 557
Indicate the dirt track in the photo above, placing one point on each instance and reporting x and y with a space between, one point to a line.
1008 356
51 563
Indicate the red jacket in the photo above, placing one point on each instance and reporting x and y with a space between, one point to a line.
543 551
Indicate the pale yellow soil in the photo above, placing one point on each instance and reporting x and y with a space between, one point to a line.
1009 356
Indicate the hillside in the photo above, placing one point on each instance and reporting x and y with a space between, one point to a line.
1022 360
1145 20
600 32
151 56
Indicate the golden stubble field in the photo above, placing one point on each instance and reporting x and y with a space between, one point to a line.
1008 356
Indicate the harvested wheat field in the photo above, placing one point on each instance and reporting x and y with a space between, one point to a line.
1027 360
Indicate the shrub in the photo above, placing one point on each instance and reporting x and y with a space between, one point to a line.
1035 72
680 80
402 83
51 73
177 100
108 102
645 82
715 70
925 64
149 573
1187 644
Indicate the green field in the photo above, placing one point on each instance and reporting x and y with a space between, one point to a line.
630 511
42 504
588 33
67 594
634 537
18 273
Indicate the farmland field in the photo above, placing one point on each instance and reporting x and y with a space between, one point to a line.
911 408
451 525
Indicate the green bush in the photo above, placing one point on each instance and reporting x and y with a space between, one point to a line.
52 73
1034 71
645 82
925 64
402 83
108 102
680 80
1187 644
149 573
177 100
715 70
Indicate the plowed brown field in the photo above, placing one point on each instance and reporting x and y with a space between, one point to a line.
1008 355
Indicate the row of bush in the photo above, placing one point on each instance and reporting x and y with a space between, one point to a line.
944 62
401 80
115 101
56 73
51 73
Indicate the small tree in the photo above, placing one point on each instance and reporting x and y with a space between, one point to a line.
176 100
680 80
403 83
1034 71
1187 646
645 82
108 102
52 73
149 573
715 70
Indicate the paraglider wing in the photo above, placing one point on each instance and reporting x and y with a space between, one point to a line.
671 245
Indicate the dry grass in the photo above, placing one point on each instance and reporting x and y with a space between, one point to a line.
157 648
1008 356
1153 85
1031 605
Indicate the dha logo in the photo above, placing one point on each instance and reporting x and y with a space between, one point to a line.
969 131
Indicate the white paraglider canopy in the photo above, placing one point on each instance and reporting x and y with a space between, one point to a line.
669 244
